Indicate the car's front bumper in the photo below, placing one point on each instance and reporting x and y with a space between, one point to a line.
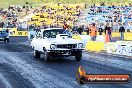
65 52
62 49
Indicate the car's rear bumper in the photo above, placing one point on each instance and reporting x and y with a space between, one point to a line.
2 39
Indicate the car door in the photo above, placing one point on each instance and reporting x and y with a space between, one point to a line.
37 41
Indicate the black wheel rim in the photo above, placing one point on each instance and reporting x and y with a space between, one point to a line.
45 55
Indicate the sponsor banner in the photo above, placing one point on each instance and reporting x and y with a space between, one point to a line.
19 33
110 47
82 77
119 47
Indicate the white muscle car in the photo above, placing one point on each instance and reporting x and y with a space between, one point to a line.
53 42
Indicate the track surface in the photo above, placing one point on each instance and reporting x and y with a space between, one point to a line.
18 68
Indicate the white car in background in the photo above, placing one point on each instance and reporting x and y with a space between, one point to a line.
53 42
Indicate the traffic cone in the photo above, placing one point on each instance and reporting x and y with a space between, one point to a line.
107 39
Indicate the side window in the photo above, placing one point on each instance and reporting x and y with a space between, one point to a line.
53 34
47 34
38 35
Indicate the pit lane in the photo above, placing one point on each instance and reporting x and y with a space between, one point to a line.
20 70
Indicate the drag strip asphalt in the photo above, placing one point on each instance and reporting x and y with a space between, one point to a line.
18 68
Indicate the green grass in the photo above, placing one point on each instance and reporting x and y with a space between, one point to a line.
36 3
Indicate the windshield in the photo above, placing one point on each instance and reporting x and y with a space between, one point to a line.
52 33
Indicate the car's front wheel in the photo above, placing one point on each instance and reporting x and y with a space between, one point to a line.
78 56
36 54
46 55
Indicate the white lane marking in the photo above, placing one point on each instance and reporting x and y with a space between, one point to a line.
25 43
20 43
35 75
21 52
6 84
11 52
40 78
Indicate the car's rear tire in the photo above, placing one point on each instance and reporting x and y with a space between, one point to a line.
46 55
78 56
7 39
36 54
